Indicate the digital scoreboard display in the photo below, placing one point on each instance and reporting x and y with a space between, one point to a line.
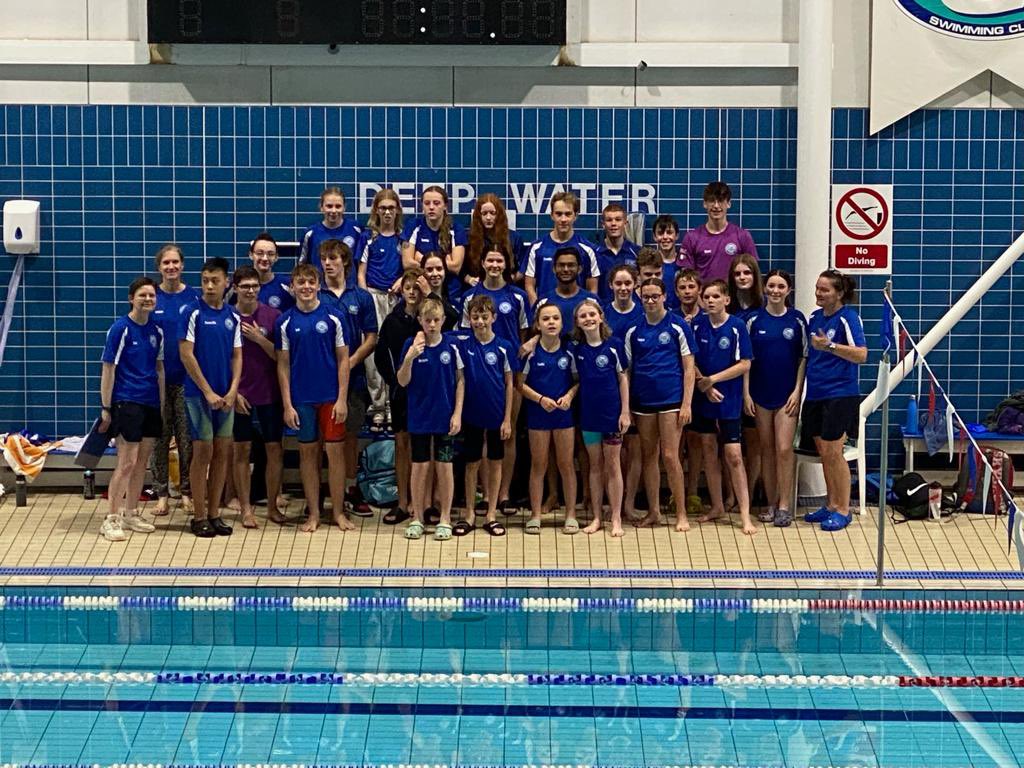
364 22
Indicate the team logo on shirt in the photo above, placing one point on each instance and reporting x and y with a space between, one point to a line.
601 361
349 241
563 363
723 343
321 326
830 333
731 248
664 337
491 358
229 324
788 334
505 307
445 357
274 301
153 341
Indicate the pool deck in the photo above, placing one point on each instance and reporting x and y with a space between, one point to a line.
57 531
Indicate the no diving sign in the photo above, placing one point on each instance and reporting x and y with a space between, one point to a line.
862 228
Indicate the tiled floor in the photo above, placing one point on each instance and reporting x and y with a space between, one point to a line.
62 530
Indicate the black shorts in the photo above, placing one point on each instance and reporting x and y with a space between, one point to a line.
749 422
728 430
399 413
651 410
420 447
267 421
473 444
830 419
134 421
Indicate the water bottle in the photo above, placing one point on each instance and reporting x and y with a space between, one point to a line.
911 427
89 484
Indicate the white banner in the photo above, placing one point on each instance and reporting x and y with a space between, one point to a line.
922 49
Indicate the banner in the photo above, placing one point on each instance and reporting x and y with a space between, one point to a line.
922 49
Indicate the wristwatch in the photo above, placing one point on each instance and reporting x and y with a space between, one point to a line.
831 346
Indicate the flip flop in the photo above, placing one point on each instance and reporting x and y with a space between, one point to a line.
395 516
463 528
442 532
533 526
414 530
494 528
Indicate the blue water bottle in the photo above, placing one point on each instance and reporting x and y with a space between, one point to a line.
911 426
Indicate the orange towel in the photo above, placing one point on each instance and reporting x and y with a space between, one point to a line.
25 458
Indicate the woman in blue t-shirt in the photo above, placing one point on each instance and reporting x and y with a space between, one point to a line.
831 410
778 336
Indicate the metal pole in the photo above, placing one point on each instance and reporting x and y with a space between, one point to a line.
883 469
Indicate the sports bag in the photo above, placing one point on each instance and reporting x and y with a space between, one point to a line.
376 473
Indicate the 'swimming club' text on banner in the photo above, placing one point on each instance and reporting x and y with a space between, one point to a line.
922 49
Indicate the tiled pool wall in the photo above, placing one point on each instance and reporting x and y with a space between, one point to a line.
718 629
116 182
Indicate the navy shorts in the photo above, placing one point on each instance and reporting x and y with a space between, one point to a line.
267 421
728 430
134 421
830 419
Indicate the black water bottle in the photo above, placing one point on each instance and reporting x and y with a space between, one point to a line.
89 484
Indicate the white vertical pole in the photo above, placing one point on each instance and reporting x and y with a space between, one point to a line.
813 170
814 148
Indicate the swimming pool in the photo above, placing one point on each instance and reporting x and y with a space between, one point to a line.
94 676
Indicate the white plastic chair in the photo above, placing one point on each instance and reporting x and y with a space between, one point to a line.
851 452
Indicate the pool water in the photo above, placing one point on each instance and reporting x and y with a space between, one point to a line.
544 677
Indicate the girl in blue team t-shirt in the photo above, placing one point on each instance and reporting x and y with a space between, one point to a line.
778 337
548 384
831 411
604 409
723 357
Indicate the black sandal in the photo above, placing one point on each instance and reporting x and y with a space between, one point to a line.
395 516
495 528
462 528
202 529
506 508
432 516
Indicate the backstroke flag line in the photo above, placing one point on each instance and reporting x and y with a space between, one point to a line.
922 49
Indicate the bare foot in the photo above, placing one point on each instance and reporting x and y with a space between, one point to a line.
187 505
594 526
617 529
682 524
549 503
249 518
649 521
711 516
749 529
275 516
311 524
234 504
342 521
161 507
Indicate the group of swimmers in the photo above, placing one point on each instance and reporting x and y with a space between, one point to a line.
627 357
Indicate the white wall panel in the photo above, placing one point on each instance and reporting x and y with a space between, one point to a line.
117 20
162 84
43 19
554 86
608 21
363 85
22 84
1005 94
733 20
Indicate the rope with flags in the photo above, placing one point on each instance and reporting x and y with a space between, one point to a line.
891 321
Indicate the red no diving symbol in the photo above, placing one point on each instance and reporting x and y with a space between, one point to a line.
862 213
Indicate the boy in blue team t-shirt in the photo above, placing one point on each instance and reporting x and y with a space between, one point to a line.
489 363
210 343
313 373
723 356
431 372
274 290
131 396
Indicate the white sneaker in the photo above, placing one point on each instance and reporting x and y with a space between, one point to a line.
112 529
137 522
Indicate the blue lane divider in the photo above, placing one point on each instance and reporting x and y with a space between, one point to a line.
534 573
407 709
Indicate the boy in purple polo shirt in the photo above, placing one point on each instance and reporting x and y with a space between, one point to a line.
711 247
258 406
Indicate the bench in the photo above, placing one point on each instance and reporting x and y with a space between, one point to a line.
913 442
